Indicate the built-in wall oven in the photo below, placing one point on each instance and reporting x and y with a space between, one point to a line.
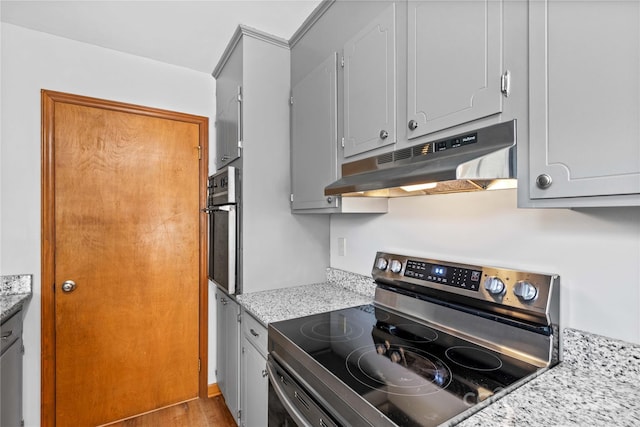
441 340
224 209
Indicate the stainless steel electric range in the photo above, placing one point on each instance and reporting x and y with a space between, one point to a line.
440 341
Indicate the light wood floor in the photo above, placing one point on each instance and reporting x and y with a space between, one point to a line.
203 412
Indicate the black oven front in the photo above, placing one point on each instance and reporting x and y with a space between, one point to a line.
223 207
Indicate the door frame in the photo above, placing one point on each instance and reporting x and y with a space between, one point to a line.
47 323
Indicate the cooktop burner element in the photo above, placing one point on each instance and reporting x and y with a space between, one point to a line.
412 332
439 340
401 370
332 330
473 358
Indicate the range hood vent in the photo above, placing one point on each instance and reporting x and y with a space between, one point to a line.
475 160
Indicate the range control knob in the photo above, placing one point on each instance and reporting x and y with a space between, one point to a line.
381 264
494 285
525 290
396 266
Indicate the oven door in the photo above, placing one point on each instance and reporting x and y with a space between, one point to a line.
223 253
289 404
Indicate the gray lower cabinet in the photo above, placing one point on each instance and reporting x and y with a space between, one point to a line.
584 101
11 372
255 383
228 350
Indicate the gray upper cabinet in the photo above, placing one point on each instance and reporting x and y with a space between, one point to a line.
369 62
454 59
228 123
314 135
584 101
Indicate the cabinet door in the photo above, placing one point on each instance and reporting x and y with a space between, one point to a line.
314 137
255 386
454 63
584 99
227 349
228 125
11 385
370 86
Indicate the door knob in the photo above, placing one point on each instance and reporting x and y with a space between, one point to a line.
69 286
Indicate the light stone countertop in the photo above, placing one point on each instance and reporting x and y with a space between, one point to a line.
597 383
15 291
288 303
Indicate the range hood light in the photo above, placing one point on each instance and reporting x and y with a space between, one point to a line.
503 184
418 187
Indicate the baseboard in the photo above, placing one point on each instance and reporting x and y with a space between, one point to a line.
213 390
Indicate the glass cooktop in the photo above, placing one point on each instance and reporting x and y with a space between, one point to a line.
414 374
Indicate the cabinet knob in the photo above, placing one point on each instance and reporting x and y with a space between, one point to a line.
413 125
264 373
544 181
384 134
329 199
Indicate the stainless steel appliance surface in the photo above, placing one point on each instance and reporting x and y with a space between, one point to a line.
439 340
224 209
484 158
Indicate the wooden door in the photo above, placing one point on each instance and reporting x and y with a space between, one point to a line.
122 192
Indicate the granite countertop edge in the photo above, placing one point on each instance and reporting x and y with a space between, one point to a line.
15 291
595 384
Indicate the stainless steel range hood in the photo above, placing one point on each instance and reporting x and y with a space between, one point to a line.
475 160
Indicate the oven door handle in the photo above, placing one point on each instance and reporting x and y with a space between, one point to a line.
297 416
223 208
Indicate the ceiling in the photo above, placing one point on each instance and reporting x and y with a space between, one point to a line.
191 34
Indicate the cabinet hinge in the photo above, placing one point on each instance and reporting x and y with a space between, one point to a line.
242 350
342 142
291 197
342 61
505 83
239 413
239 317
199 365
291 100
215 371
22 349
199 152
239 93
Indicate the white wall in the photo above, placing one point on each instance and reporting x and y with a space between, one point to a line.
32 61
595 251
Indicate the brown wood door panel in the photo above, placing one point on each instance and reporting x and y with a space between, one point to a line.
124 220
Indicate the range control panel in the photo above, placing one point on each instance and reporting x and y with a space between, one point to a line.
464 278
496 286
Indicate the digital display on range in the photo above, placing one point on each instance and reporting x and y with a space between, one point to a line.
438 270
463 278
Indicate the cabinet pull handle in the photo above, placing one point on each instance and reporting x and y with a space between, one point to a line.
304 402
254 333
6 335
413 125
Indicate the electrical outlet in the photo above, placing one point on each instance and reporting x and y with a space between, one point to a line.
342 246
